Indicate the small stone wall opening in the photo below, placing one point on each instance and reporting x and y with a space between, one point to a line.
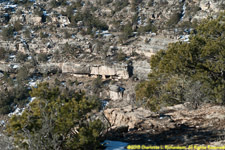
107 76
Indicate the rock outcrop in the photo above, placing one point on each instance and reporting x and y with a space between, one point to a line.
75 68
171 125
116 92
118 71
4 67
141 69
127 116
114 71
31 19
49 68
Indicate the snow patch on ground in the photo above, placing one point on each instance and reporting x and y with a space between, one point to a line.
18 111
34 81
115 145
184 38
15 66
31 99
104 103
183 11
105 33
29 57
12 56
2 123
32 84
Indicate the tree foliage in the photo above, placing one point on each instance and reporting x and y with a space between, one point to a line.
57 3
18 25
24 2
3 53
197 64
55 120
174 19
89 20
21 57
7 33
127 32
12 97
147 28
43 57
119 5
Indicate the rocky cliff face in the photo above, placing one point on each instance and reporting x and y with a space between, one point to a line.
173 21
119 71
117 45
173 125
126 116
115 41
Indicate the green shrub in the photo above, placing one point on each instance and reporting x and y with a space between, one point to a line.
38 12
26 3
57 3
43 57
119 5
3 53
105 2
21 57
55 121
97 84
134 5
135 19
174 19
127 32
43 35
70 50
27 33
148 28
188 71
7 33
23 73
127 29
192 10
151 3
18 26
67 34
222 6
121 56
89 20
15 96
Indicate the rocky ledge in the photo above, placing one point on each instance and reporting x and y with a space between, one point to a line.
175 125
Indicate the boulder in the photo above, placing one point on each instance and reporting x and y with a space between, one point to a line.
33 19
141 69
4 67
114 88
116 92
16 18
126 116
204 5
49 68
115 95
75 68
62 20
21 48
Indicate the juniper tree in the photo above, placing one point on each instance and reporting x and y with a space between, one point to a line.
198 64
56 121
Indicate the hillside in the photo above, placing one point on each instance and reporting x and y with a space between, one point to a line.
111 50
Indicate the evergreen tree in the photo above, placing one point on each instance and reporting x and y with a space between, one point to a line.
56 121
197 64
